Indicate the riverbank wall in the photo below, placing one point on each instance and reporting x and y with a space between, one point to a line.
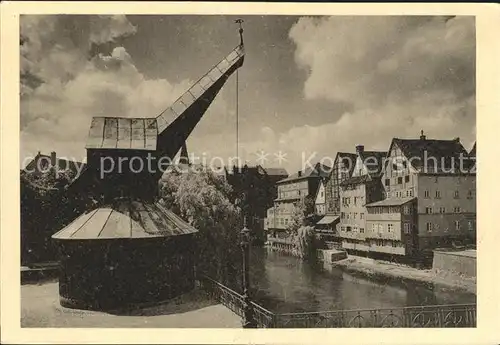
385 270
446 271
459 263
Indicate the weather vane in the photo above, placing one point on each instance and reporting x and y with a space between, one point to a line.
240 21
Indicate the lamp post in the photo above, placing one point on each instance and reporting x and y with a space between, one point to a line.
248 319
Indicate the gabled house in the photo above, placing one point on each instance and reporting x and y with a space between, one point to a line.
320 199
342 170
362 188
430 198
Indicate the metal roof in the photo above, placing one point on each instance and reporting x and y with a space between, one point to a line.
328 219
126 218
391 202
122 133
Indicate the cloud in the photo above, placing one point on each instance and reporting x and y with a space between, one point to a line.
401 74
63 85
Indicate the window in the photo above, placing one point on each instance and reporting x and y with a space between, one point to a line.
404 166
390 227
426 194
342 215
407 228
429 227
361 216
442 210
406 209
470 194
438 194
456 209
471 225
457 225
355 200
407 178
322 193
348 229
361 230
355 214
387 182
400 180
347 214
456 195
342 228
428 210
355 229
411 192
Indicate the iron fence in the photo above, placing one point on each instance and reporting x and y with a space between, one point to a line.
434 316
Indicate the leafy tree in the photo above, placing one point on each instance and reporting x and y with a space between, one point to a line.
305 243
302 234
300 213
203 200
45 209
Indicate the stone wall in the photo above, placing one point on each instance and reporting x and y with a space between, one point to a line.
456 263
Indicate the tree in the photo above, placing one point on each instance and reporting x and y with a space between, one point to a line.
300 213
302 234
203 199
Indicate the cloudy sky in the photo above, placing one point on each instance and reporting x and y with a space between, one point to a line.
309 87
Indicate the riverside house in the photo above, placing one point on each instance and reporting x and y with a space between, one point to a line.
430 200
362 188
320 200
342 169
292 191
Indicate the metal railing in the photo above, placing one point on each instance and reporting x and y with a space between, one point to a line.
436 316
433 316
235 302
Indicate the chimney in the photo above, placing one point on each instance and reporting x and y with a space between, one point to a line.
457 139
422 136
53 159
360 148
300 173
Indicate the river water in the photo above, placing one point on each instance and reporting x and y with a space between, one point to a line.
285 284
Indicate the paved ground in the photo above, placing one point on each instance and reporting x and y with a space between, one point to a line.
40 308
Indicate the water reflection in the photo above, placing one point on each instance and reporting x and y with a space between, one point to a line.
286 284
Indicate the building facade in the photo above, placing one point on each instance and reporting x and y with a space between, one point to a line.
430 199
291 192
320 201
391 225
342 170
362 188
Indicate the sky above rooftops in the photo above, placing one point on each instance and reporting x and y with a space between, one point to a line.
309 87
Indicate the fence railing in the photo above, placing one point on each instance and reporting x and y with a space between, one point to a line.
434 316
437 316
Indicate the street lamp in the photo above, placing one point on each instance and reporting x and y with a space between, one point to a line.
248 319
